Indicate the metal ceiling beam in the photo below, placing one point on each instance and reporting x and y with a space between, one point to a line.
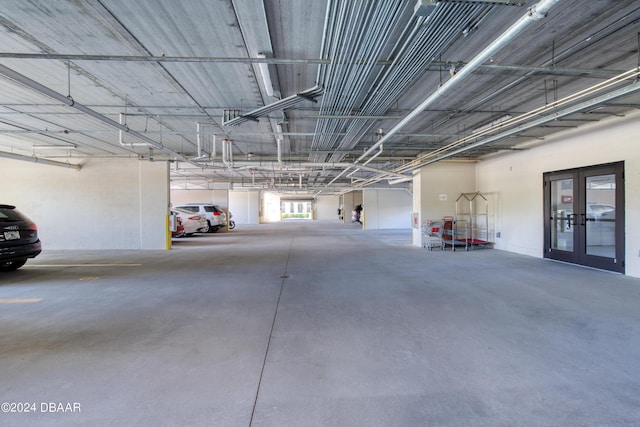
32 84
434 66
151 58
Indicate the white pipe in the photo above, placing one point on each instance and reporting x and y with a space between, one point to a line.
198 140
306 165
227 153
634 87
26 81
35 159
279 145
223 147
367 162
535 12
121 136
279 139
375 155
213 146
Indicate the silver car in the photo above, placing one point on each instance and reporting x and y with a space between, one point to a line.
192 223
216 216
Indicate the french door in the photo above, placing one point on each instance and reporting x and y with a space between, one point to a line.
584 216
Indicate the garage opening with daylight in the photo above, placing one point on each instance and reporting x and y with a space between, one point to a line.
278 307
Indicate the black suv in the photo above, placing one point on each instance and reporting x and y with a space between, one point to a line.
18 239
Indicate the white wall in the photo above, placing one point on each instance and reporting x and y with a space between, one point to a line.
271 207
385 209
327 208
109 204
436 188
349 201
218 197
515 181
244 205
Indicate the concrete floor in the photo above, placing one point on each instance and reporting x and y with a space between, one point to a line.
317 324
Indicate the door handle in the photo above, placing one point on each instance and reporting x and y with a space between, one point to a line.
584 219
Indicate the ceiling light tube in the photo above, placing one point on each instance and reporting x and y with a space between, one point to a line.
59 147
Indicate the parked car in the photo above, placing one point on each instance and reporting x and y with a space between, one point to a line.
216 217
18 239
179 228
192 223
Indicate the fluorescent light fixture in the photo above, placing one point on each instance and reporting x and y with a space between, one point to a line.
266 77
53 147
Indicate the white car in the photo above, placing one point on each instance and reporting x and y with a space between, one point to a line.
192 223
216 217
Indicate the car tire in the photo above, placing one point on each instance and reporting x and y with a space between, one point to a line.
207 229
232 225
12 265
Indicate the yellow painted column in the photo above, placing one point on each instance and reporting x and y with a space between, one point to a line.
168 231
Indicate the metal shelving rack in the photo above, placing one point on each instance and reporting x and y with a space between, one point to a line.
455 233
474 209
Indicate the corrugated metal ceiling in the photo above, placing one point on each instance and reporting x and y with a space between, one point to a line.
171 64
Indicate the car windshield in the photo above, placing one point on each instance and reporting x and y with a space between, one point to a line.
189 208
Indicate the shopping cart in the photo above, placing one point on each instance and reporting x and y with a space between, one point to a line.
432 234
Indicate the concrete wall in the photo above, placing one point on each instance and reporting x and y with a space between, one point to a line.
515 182
327 208
386 209
245 206
270 207
109 204
436 188
219 197
349 201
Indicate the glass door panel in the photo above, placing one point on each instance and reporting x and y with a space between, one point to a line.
584 216
562 215
600 216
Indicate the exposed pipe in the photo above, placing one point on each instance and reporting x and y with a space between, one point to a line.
198 140
279 146
375 155
552 107
227 153
34 159
201 155
420 42
305 165
121 135
26 81
279 139
634 87
535 12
